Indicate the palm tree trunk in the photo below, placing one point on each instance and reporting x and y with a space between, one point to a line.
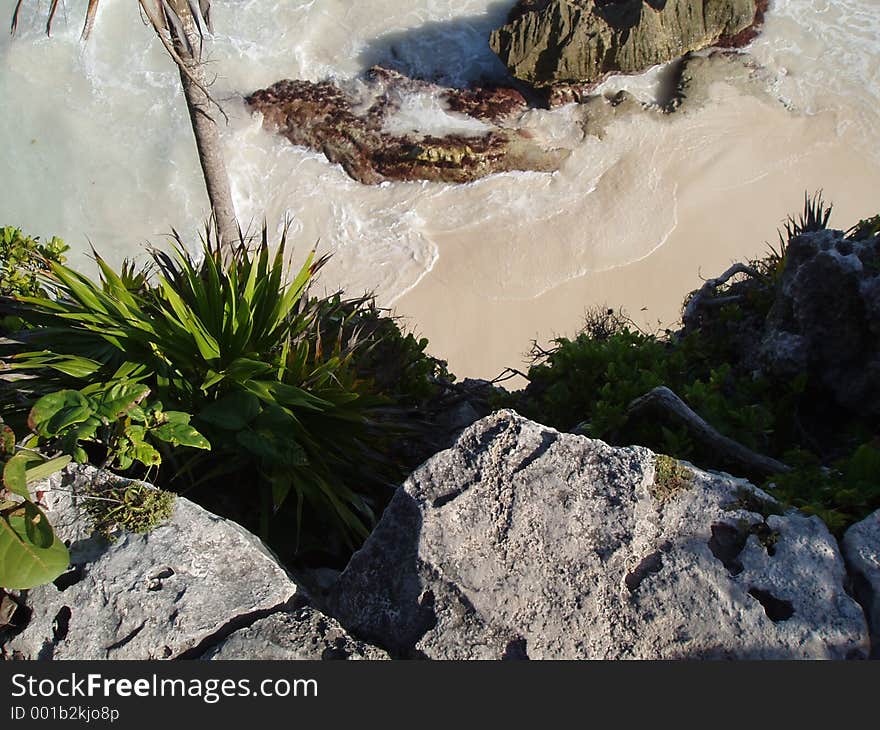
187 40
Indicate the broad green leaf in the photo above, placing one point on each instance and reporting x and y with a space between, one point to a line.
24 565
146 454
15 475
56 410
272 448
37 527
177 417
180 434
120 397
47 468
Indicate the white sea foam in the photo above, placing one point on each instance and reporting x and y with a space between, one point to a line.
425 113
97 145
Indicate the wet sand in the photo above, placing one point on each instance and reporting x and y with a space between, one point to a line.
729 199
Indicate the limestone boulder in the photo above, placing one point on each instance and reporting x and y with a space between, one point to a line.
523 542
861 548
161 595
299 633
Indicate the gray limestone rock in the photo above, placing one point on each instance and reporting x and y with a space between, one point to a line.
523 542
299 633
551 42
154 596
861 548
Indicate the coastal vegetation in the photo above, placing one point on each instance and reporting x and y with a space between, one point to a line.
30 552
221 377
828 455
225 380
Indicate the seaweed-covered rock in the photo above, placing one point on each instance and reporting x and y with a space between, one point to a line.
551 42
524 542
365 128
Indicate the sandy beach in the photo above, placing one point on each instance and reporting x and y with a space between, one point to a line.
729 199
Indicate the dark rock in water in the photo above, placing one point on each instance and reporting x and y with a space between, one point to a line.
524 542
571 45
355 129
825 320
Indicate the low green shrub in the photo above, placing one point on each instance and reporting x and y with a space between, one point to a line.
115 417
22 260
840 494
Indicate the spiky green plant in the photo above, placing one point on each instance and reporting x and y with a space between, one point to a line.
265 370
814 217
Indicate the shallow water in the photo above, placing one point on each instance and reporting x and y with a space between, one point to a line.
97 144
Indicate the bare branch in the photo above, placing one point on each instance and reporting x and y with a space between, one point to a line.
664 403
689 317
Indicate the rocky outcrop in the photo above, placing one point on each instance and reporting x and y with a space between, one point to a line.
523 542
162 595
861 548
361 127
300 633
825 319
547 43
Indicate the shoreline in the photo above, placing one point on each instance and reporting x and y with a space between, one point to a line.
727 205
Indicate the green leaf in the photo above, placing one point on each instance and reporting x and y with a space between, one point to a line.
120 397
47 468
37 527
146 454
23 564
180 434
273 449
55 411
15 475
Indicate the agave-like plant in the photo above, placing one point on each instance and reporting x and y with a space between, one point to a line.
265 370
